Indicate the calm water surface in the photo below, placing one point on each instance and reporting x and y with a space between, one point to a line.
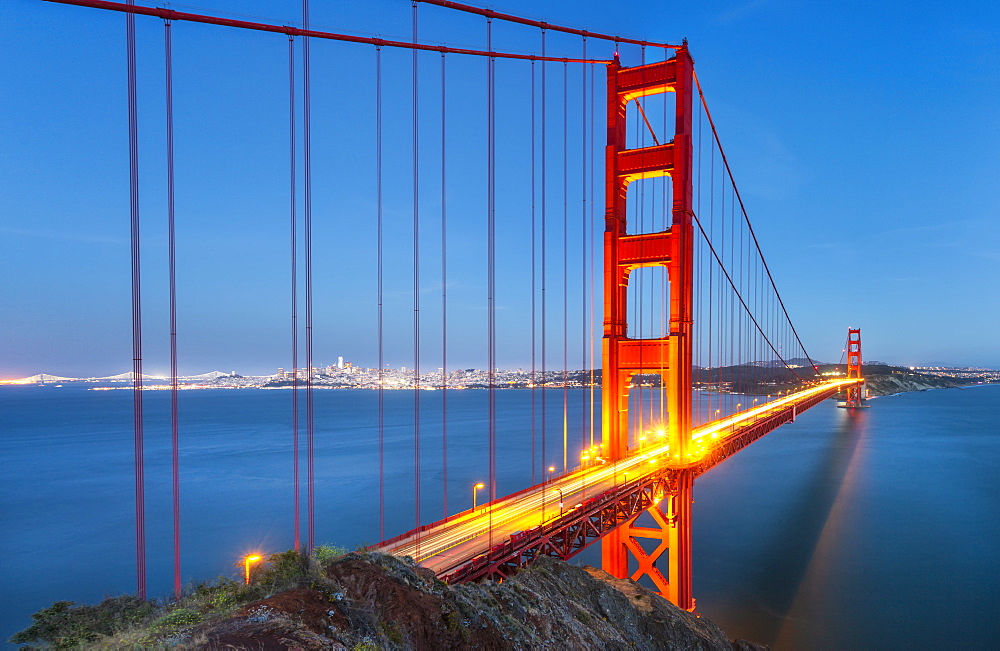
868 530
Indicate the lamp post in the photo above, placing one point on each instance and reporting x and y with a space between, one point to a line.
475 488
560 501
247 562
545 482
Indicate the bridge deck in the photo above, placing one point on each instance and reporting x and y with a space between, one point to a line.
501 528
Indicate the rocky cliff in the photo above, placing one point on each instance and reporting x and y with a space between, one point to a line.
377 601
894 380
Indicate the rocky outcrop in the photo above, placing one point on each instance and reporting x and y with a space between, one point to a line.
887 384
377 601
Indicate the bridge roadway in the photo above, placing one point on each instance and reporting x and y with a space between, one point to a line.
448 544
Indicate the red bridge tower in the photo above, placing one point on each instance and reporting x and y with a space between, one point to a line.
855 392
668 356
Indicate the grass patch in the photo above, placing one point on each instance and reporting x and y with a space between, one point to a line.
130 621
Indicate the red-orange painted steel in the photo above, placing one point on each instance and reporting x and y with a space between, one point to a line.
855 392
670 355
170 14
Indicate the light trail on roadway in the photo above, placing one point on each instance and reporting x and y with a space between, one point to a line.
453 542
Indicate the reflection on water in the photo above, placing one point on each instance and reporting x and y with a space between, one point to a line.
867 529
846 463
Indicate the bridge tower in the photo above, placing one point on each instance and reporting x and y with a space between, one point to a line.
855 392
669 356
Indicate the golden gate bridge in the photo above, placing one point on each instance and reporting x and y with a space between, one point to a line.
693 323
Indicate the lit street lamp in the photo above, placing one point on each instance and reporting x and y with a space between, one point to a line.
545 481
248 561
474 489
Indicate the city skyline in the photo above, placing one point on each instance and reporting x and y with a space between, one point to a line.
825 113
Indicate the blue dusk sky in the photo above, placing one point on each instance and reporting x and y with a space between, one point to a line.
864 137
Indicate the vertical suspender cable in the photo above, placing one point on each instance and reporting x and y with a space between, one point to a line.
137 420
444 291
701 291
172 273
583 241
416 289
544 380
534 383
380 265
491 272
640 227
296 525
593 140
491 263
565 256
307 227
711 286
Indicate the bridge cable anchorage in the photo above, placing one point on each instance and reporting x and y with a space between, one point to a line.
380 263
746 218
293 239
307 227
416 285
137 412
170 14
444 291
544 25
172 283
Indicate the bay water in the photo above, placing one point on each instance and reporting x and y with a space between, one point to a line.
867 529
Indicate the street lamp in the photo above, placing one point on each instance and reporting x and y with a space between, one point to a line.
474 489
545 481
560 501
248 561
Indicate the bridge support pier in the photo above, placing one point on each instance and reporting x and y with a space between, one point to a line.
672 553
670 356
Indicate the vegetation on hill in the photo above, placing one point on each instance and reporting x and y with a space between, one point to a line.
367 600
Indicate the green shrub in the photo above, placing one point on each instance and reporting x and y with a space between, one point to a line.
282 569
63 625
174 622
326 553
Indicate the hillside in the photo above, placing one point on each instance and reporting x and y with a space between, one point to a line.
367 601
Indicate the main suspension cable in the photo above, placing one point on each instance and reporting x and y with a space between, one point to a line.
746 218
543 25
170 14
